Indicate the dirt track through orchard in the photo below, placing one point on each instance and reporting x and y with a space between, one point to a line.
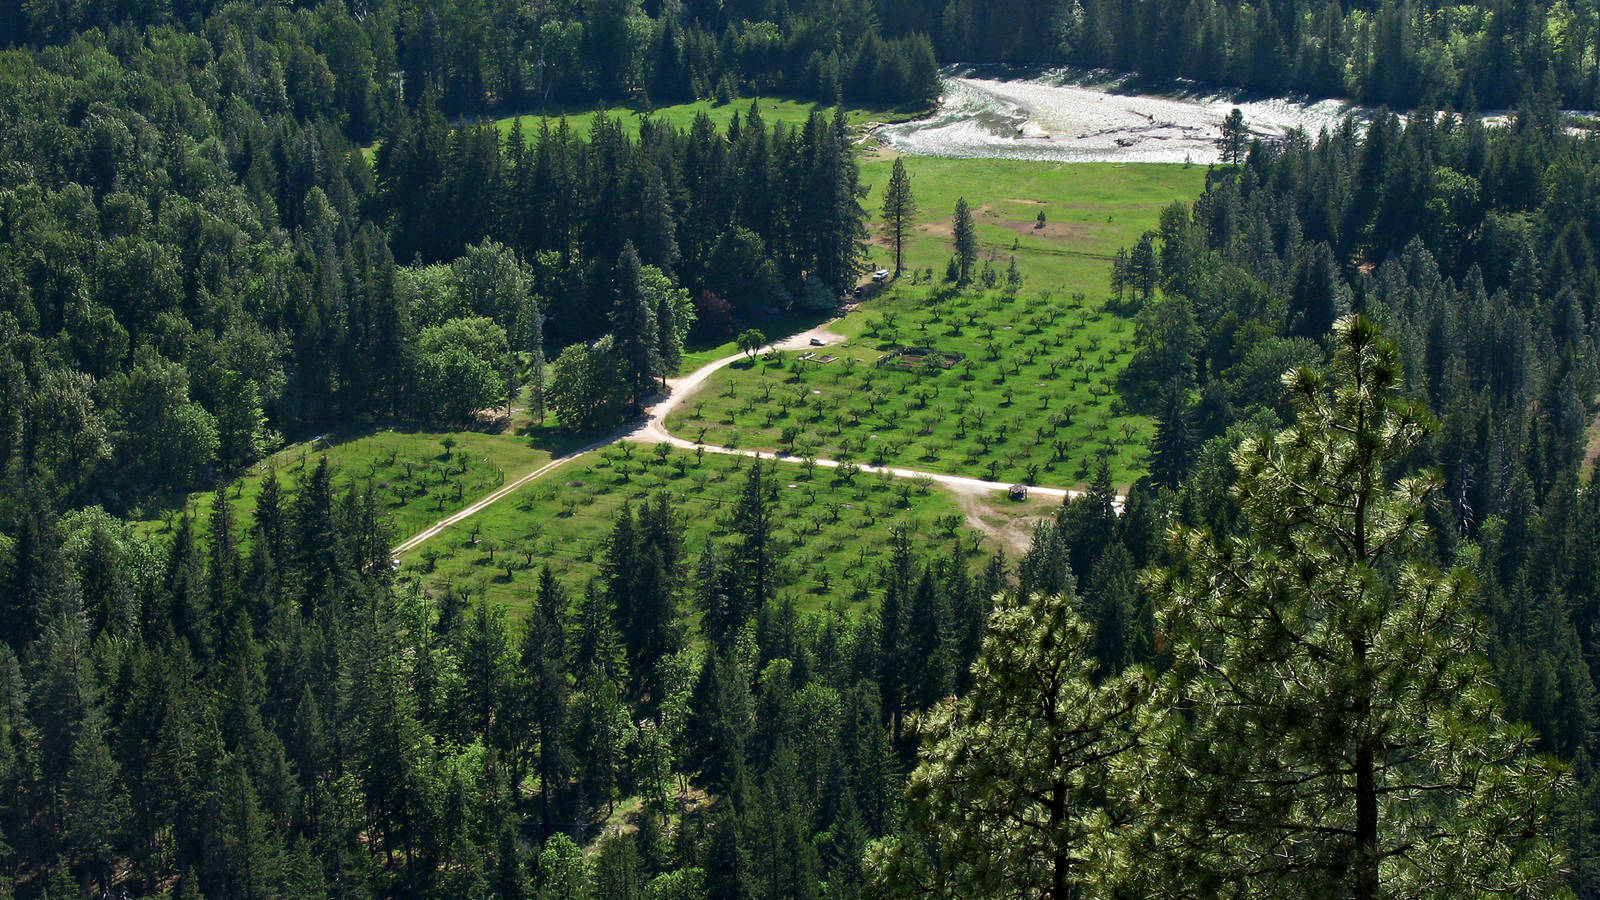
653 431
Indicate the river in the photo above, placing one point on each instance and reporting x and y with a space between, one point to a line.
1078 116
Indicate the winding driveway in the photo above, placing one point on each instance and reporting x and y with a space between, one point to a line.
653 431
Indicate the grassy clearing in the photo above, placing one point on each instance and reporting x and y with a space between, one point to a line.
700 352
833 535
681 115
1019 388
416 480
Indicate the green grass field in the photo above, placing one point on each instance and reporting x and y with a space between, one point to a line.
416 482
699 353
832 535
681 115
1027 391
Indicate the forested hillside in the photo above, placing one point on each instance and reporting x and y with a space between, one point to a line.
1383 52
198 257
1475 250
1340 642
357 62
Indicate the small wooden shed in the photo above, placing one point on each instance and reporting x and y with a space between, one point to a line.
1019 492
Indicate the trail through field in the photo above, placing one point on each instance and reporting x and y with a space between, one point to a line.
416 540
653 431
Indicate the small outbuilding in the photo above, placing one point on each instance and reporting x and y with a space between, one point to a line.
1019 492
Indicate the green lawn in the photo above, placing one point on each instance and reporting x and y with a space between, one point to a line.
832 535
1028 393
681 115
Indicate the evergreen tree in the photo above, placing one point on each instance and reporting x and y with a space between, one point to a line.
189 616
596 645
600 732
1350 742
94 804
929 643
542 692
482 655
1173 447
1122 617
650 624
720 723
1233 139
728 875
224 566
669 345
965 236
636 332
253 854
617 870
899 207
533 332
755 556
1143 270
1013 790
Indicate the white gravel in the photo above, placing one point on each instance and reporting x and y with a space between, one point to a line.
1084 117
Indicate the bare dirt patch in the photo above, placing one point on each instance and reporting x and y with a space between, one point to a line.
1062 231
1006 523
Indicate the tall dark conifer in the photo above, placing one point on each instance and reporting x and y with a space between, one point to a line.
899 206
965 237
634 329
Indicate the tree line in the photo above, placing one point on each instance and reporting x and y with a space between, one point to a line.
197 259
1474 248
276 713
1383 52
356 63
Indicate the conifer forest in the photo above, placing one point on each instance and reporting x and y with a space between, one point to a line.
490 449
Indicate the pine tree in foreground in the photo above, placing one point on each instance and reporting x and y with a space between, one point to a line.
1335 729
1013 782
